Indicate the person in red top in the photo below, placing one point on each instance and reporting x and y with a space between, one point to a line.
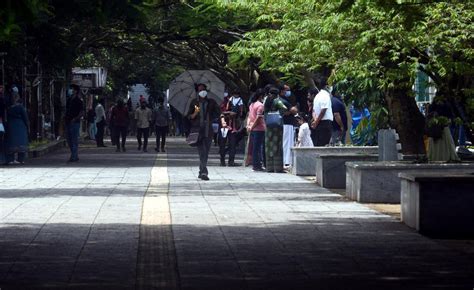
120 120
256 127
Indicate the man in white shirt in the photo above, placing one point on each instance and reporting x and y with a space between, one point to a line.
322 116
100 122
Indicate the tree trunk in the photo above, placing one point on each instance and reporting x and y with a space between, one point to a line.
407 119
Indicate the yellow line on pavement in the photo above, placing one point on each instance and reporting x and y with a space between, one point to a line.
157 264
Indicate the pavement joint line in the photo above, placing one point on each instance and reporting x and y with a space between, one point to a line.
156 258
35 237
28 200
282 245
76 262
232 252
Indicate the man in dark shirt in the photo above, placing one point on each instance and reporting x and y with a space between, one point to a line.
202 111
339 124
74 113
289 122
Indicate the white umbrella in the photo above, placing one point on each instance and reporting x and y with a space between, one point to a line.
182 89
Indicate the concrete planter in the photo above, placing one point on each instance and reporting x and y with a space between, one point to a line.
304 158
331 168
438 205
378 182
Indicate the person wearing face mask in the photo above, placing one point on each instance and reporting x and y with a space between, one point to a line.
289 123
322 115
274 135
233 125
143 116
202 111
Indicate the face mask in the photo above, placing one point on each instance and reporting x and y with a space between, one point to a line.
69 92
202 94
15 90
287 93
226 94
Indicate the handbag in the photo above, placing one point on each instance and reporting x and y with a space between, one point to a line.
273 119
193 139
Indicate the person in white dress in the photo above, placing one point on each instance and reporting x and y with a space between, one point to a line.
304 133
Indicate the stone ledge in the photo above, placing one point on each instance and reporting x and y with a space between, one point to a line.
436 177
437 204
48 148
304 158
389 165
379 182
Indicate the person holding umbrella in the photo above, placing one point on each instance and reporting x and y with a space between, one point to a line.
202 111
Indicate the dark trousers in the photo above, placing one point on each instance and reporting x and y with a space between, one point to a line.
203 149
228 144
323 133
258 139
145 132
120 131
161 132
73 139
99 137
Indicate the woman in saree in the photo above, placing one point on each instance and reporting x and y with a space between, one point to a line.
274 134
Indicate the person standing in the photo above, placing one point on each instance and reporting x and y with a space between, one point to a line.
2 127
74 113
304 133
200 114
100 118
161 120
143 119
339 124
234 115
274 134
91 132
256 127
322 116
310 101
17 128
289 123
120 120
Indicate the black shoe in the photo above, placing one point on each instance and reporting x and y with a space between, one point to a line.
204 177
232 164
73 160
257 169
222 164
163 150
156 149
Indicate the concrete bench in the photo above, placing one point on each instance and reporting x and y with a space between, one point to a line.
378 182
331 168
438 204
304 157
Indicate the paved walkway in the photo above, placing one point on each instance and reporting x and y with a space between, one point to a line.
142 220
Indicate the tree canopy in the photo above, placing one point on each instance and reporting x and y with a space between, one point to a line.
372 49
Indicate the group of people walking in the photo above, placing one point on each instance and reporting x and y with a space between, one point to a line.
119 118
271 122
